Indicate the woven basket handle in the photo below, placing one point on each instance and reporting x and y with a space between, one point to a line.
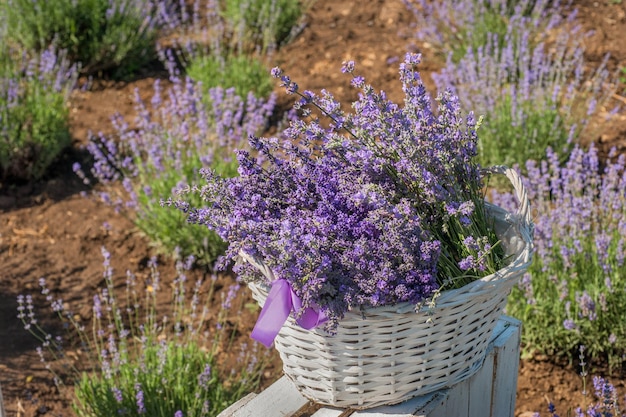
523 214
258 264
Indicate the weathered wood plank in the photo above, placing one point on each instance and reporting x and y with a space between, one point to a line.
457 403
506 369
415 407
480 387
2 412
471 398
328 412
230 411
281 399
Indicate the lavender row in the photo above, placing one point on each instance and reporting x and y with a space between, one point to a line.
573 293
33 111
149 360
521 66
160 154
112 36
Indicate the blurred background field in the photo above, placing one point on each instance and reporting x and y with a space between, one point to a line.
136 96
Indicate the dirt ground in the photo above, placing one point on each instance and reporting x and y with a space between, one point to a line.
48 230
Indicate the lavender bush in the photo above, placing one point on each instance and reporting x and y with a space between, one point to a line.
200 31
218 44
244 74
33 111
143 360
162 152
240 27
102 35
532 96
370 208
265 24
572 294
455 27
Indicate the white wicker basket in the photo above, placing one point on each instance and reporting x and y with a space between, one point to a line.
387 355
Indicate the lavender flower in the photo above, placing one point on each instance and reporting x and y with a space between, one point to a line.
586 305
569 324
117 393
141 409
97 307
232 293
552 410
204 379
467 263
354 213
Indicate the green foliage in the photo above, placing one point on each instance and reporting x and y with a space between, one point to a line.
167 385
244 74
511 135
552 114
103 35
230 45
491 23
497 22
33 112
263 23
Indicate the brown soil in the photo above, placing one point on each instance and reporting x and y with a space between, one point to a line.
48 230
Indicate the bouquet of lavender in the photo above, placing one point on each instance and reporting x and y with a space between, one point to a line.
375 207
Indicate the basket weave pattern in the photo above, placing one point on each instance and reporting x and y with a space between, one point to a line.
386 355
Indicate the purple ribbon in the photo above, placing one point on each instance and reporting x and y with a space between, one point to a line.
280 302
